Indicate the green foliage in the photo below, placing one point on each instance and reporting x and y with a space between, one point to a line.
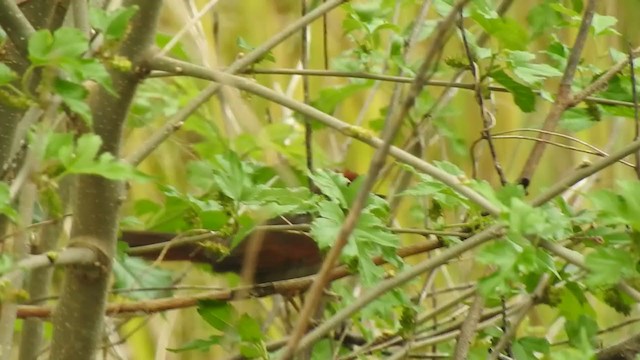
526 348
244 46
66 155
132 273
523 66
228 177
232 330
6 75
523 96
113 24
60 54
509 33
369 238
5 202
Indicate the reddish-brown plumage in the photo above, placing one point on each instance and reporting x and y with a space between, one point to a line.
280 255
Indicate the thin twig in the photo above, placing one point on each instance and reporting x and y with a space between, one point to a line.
455 183
634 94
553 143
177 120
582 173
563 96
304 63
531 300
468 329
408 80
386 285
392 126
602 80
488 118
9 306
82 255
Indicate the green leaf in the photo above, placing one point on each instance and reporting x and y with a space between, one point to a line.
89 69
249 329
39 46
322 350
603 24
574 303
119 22
6 74
525 220
620 206
530 72
73 95
609 265
80 158
542 18
330 97
231 176
525 348
65 43
577 119
132 273
331 184
219 314
495 284
5 202
501 253
561 9
582 332
244 45
325 228
523 96
6 263
199 344
509 32
370 274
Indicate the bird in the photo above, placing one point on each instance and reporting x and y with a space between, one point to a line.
279 254
276 254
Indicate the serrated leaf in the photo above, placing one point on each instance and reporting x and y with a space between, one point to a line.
65 43
73 95
527 70
80 158
331 185
609 265
230 176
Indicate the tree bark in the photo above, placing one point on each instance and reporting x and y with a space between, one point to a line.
78 318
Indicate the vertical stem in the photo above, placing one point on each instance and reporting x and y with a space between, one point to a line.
80 311
20 250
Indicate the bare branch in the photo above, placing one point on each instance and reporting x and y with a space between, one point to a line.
176 121
468 329
16 25
563 96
